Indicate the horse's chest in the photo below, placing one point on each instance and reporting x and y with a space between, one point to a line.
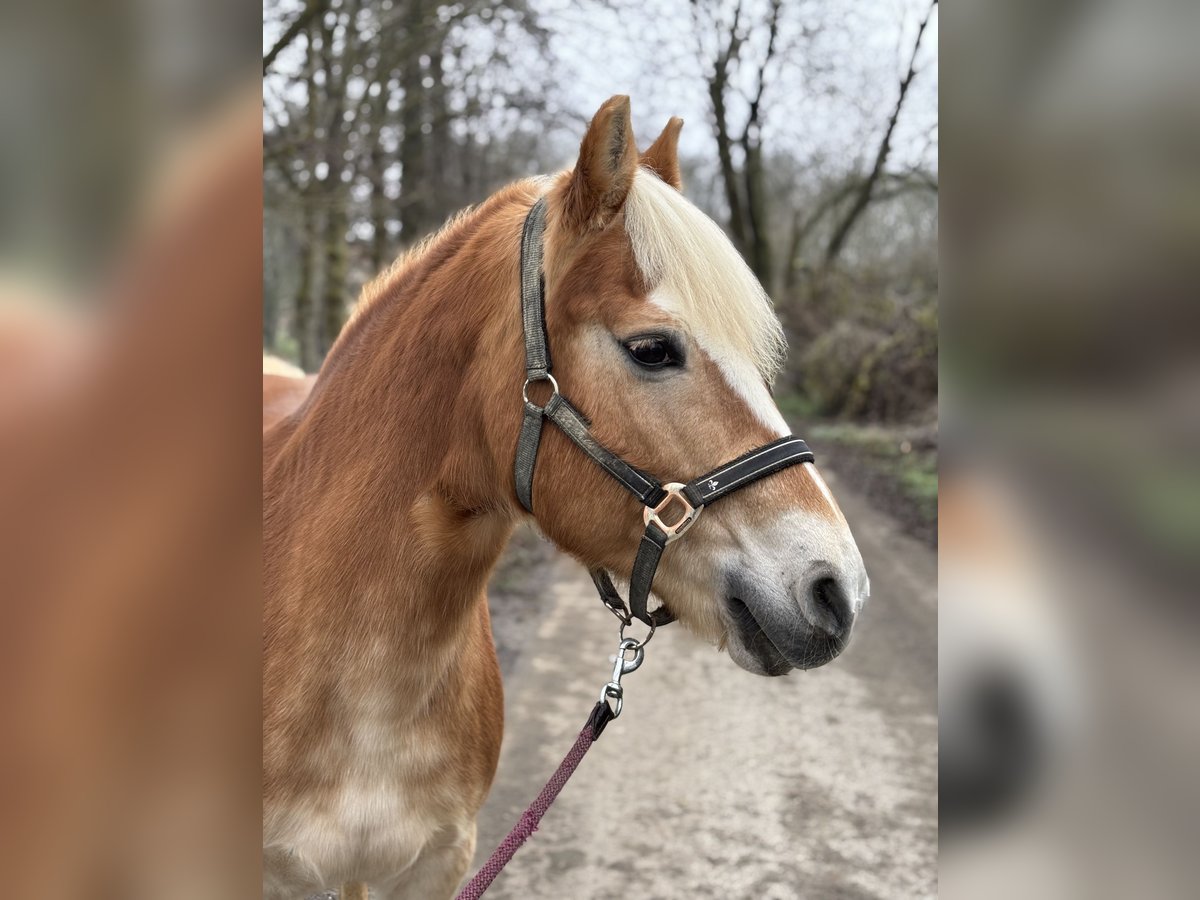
393 789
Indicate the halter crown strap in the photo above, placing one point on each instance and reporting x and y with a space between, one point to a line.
533 294
537 349
537 368
693 496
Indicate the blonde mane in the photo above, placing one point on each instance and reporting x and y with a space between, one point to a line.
685 255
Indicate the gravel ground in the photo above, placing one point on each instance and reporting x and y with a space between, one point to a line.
518 590
716 783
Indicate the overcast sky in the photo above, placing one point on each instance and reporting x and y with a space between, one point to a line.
837 111
828 95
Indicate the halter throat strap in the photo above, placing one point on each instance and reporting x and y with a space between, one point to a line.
670 509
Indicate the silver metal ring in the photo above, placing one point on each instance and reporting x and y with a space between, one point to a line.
529 381
615 692
620 612
644 641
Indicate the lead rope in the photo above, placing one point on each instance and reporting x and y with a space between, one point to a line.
602 714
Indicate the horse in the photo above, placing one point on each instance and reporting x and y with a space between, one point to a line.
284 388
389 495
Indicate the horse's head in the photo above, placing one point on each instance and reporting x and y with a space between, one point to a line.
664 339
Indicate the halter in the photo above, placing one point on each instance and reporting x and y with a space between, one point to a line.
686 499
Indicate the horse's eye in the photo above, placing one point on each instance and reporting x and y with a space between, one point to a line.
651 352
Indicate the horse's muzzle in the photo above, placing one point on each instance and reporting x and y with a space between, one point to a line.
773 632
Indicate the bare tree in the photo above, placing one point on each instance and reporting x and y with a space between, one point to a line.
374 134
745 192
863 195
806 221
341 51
305 322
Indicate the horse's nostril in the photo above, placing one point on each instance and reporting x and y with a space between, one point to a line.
832 602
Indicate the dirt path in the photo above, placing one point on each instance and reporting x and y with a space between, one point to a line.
716 783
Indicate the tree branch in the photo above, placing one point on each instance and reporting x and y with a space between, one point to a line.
756 102
890 187
310 11
718 84
863 199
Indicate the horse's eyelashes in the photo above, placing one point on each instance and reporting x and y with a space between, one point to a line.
652 351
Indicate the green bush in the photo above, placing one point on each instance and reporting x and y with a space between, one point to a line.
873 356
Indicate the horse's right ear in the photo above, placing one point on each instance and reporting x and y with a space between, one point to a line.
608 161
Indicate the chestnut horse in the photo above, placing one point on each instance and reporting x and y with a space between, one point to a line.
389 496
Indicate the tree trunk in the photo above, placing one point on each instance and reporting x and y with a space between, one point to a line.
378 162
441 190
379 205
270 313
759 245
305 324
729 178
333 306
413 212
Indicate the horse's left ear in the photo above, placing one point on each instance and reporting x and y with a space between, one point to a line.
662 157
608 161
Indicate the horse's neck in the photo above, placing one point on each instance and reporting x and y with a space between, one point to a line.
383 513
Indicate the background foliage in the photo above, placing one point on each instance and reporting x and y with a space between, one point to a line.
811 137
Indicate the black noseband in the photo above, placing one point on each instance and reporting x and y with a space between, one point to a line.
657 498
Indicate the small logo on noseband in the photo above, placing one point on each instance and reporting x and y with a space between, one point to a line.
712 484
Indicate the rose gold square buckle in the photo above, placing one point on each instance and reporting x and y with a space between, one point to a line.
687 514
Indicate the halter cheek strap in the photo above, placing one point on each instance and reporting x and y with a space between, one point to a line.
681 504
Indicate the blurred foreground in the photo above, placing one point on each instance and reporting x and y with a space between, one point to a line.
1070 493
130 279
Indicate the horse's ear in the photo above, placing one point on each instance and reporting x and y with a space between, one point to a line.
662 157
608 161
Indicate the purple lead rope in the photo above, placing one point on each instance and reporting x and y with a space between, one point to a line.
529 820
